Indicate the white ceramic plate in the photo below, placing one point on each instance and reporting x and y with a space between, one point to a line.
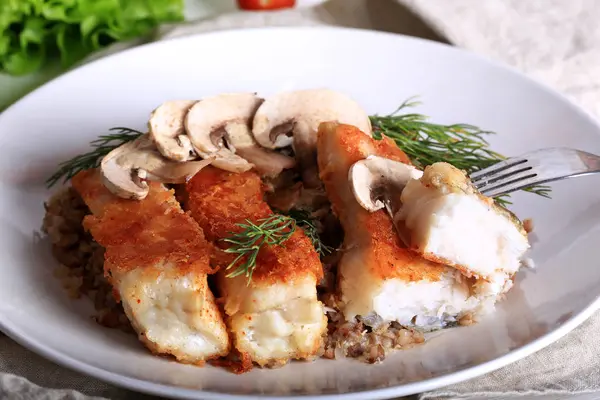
379 70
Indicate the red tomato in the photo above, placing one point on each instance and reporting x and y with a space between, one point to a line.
265 4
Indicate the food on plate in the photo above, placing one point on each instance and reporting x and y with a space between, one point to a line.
442 215
219 127
438 213
157 261
380 279
271 302
293 118
167 131
321 230
375 180
127 169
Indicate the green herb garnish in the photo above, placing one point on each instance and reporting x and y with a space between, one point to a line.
304 221
101 147
271 231
425 143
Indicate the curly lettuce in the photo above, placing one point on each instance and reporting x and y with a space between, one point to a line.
32 32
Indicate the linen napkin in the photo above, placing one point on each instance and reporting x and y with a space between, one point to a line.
556 41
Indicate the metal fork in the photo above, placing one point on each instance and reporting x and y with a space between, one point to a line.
536 167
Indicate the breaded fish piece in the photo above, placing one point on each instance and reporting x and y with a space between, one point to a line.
157 260
378 276
276 317
447 220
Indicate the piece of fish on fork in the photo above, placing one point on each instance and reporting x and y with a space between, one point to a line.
450 217
443 217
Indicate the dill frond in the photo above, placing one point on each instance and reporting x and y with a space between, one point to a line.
304 221
100 147
271 231
425 143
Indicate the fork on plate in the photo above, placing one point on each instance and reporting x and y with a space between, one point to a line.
533 168
536 167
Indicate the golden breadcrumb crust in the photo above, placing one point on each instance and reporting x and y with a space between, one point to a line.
220 200
340 146
138 233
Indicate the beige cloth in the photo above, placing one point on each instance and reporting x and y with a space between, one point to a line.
557 41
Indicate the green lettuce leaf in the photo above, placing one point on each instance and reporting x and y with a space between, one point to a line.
35 32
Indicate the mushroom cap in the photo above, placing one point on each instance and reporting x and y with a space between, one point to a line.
294 118
301 112
375 177
265 161
166 129
208 122
118 173
126 168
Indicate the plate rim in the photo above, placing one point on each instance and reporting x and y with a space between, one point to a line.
172 391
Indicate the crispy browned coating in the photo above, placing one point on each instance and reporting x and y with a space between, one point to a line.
142 233
236 362
219 200
340 146
151 244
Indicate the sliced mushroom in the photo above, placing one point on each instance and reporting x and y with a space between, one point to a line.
167 130
267 162
209 120
219 126
300 112
294 118
377 178
126 168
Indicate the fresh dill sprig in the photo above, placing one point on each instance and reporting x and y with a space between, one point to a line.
304 221
271 231
425 143
100 147
540 190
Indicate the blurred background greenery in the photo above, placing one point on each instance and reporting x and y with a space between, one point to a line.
40 39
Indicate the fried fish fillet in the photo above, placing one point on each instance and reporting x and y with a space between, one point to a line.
378 276
447 220
276 317
157 261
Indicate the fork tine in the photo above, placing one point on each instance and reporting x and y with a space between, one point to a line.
496 168
514 178
536 167
511 186
516 172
